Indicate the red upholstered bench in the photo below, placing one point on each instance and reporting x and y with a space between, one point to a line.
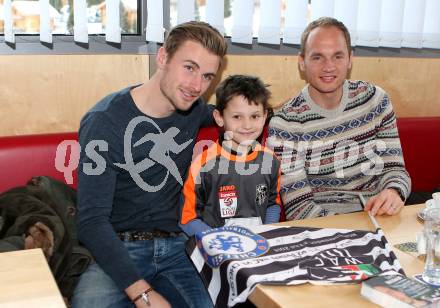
420 139
22 157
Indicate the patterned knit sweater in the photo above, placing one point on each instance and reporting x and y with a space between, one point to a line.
330 157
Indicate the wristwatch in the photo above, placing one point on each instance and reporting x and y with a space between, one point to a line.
144 297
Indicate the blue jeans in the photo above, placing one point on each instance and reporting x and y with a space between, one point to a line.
162 262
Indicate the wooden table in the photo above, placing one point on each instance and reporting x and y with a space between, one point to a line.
26 281
398 229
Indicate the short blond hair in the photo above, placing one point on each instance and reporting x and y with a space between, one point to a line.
199 32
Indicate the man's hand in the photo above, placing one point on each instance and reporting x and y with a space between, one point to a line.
156 300
387 202
40 236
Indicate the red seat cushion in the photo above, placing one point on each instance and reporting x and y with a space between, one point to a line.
420 138
22 157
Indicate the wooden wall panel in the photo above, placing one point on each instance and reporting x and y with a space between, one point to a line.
413 84
43 94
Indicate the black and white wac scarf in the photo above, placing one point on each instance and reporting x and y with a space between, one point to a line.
295 255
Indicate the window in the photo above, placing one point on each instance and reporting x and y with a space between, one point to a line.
199 13
26 16
260 23
372 23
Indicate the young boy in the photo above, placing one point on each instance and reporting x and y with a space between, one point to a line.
236 180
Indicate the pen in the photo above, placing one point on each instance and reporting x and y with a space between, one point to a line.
373 220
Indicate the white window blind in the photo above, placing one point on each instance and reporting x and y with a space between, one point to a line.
295 20
80 31
391 23
371 23
346 12
322 8
155 29
45 30
215 14
431 28
242 21
8 24
270 22
112 28
412 29
185 11
368 27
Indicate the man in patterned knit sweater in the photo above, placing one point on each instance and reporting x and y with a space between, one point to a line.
337 140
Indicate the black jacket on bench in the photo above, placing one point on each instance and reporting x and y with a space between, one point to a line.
45 200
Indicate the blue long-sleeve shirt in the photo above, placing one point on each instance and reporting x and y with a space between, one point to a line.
110 198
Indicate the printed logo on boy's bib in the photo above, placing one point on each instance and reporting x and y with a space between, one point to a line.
227 197
261 194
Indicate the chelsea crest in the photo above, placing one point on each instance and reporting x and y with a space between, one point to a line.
230 243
